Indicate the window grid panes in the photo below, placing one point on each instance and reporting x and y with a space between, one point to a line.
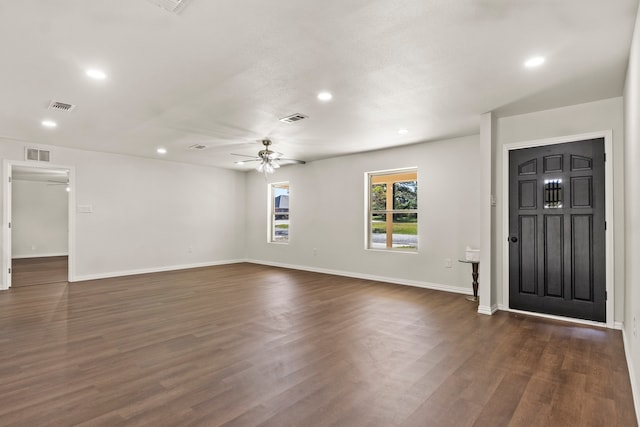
393 210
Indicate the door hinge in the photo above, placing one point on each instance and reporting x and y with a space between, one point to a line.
9 224
9 270
605 225
9 179
605 157
606 296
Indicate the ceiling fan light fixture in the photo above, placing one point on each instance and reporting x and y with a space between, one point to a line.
267 160
268 168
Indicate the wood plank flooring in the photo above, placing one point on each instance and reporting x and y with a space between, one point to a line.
39 271
249 345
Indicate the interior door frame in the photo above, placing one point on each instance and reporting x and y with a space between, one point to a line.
6 216
609 218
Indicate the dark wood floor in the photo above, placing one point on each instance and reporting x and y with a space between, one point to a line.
245 345
39 271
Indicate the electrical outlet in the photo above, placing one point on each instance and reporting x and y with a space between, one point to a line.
315 251
447 263
190 249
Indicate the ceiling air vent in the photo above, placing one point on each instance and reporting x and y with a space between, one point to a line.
294 118
197 147
175 6
37 155
61 106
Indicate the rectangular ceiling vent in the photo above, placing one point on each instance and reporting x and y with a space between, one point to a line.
197 147
34 154
61 106
174 6
294 118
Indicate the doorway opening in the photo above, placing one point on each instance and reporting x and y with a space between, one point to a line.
37 243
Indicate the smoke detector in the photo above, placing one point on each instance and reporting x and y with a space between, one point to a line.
294 118
174 6
61 106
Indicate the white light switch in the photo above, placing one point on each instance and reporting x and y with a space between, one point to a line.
85 208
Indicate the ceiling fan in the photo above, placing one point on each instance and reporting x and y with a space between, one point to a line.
268 160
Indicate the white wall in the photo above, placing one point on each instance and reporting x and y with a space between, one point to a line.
39 222
632 211
573 120
149 214
327 213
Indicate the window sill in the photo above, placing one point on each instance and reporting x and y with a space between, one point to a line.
392 251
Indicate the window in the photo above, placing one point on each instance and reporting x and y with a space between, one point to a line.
279 212
552 193
392 212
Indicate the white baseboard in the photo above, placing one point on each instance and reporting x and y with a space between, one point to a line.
13 256
488 310
86 277
415 283
632 375
385 279
618 325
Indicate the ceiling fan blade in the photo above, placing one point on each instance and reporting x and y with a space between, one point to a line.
244 155
295 161
239 162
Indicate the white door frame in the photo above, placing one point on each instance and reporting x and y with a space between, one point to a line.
6 204
609 247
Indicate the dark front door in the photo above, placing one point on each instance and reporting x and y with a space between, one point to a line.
557 230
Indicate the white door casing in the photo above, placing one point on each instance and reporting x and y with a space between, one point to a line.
7 207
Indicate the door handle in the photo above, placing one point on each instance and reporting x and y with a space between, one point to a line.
513 239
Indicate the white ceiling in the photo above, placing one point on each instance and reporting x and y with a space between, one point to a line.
221 73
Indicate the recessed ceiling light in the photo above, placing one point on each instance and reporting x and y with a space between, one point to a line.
325 96
161 150
403 131
49 123
96 74
239 163
534 62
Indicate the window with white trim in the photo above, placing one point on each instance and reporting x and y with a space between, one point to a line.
392 210
279 212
